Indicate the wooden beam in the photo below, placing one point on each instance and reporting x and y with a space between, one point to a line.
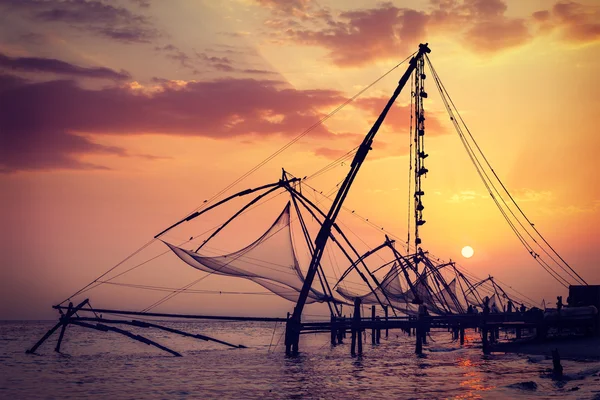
58 325
105 328
64 327
143 324
183 316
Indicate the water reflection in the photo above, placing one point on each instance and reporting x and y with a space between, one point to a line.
473 380
111 367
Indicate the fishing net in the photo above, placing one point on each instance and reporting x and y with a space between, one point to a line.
269 261
391 292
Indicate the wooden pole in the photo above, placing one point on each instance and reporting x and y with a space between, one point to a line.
418 335
356 329
353 345
385 310
288 336
373 322
184 316
139 338
143 324
334 331
359 331
65 321
461 333
484 339
55 327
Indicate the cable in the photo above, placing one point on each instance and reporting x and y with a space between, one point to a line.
491 188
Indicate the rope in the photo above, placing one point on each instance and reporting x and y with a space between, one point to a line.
272 336
251 171
489 186
300 136
504 187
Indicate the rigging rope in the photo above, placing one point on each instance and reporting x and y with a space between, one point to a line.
252 170
300 136
490 185
319 172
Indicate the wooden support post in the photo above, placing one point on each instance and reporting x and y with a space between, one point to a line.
65 321
341 329
334 330
373 322
385 310
292 336
418 336
60 337
518 333
557 370
461 333
356 329
378 330
353 345
55 327
484 340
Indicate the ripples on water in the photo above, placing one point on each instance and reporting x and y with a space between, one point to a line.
106 365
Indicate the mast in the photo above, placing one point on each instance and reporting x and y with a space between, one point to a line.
419 153
293 331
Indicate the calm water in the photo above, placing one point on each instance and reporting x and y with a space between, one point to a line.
106 365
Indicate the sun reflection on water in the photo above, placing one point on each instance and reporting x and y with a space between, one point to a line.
473 380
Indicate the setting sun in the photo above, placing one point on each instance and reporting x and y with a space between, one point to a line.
467 252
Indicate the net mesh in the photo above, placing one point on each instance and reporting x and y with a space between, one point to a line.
391 292
269 261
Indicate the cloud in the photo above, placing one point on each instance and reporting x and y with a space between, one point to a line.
258 71
359 37
330 153
173 52
466 196
54 66
530 195
297 8
95 16
46 124
576 23
26 144
496 35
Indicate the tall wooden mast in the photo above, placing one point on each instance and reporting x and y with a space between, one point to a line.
293 326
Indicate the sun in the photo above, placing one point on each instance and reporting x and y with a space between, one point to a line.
467 252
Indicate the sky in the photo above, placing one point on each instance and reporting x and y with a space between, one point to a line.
117 118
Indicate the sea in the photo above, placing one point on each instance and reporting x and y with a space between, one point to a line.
107 365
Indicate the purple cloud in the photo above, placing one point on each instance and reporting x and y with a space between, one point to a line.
54 66
95 16
47 125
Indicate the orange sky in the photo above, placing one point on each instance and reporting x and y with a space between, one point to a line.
117 118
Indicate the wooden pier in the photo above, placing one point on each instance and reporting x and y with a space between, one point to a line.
487 325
